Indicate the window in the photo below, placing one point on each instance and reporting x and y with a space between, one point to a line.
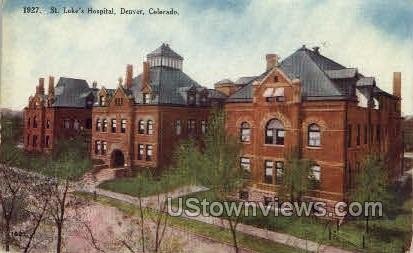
104 147
28 139
279 172
191 125
178 127
378 133
118 101
204 100
358 135
28 123
274 132
97 147
191 99
203 126
245 164
268 176
146 98
105 125
315 176
314 135
98 124
245 132
46 141
365 134
149 150
113 125
123 125
47 124
34 141
141 127
89 123
102 100
140 151
274 94
34 122
89 103
149 127
66 123
76 124
349 136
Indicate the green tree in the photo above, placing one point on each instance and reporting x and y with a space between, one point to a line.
218 166
371 183
297 178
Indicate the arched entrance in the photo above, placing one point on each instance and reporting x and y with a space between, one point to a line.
117 159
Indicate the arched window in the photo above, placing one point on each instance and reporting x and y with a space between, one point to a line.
314 135
141 125
35 122
28 123
98 125
274 132
245 132
105 125
149 127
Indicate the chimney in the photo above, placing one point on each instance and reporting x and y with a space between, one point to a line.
272 61
145 74
316 50
397 84
94 85
51 85
129 76
41 86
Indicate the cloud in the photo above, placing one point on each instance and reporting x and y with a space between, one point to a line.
217 40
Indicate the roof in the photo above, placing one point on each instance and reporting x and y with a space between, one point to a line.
164 50
224 81
71 92
245 80
321 78
169 86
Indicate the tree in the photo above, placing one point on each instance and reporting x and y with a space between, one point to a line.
371 183
297 176
218 167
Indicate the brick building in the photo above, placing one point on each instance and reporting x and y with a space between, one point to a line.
332 114
139 123
64 112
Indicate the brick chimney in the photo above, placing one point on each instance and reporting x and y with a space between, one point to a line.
129 76
40 89
51 86
145 74
397 84
272 61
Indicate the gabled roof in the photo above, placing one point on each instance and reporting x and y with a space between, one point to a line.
164 50
321 78
71 92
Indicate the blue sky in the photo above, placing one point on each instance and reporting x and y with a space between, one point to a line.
218 39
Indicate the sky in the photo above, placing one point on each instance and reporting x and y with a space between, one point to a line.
218 39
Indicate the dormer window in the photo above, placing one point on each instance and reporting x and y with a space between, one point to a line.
274 94
89 103
204 100
191 99
146 98
102 100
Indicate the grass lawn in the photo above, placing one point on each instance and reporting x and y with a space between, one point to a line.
148 187
213 232
388 234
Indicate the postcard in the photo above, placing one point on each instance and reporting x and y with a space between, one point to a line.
206 126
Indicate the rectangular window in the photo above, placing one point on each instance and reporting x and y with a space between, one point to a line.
98 125
268 173
149 152
314 139
104 147
113 125
97 147
47 124
66 123
46 141
280 134
349 136
102 100
203 126
105 125
378 134
365 134
245 164
28 139
279 172
34 140
191 125
178 127
141 127
141 151
123 125
146 98
358 135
